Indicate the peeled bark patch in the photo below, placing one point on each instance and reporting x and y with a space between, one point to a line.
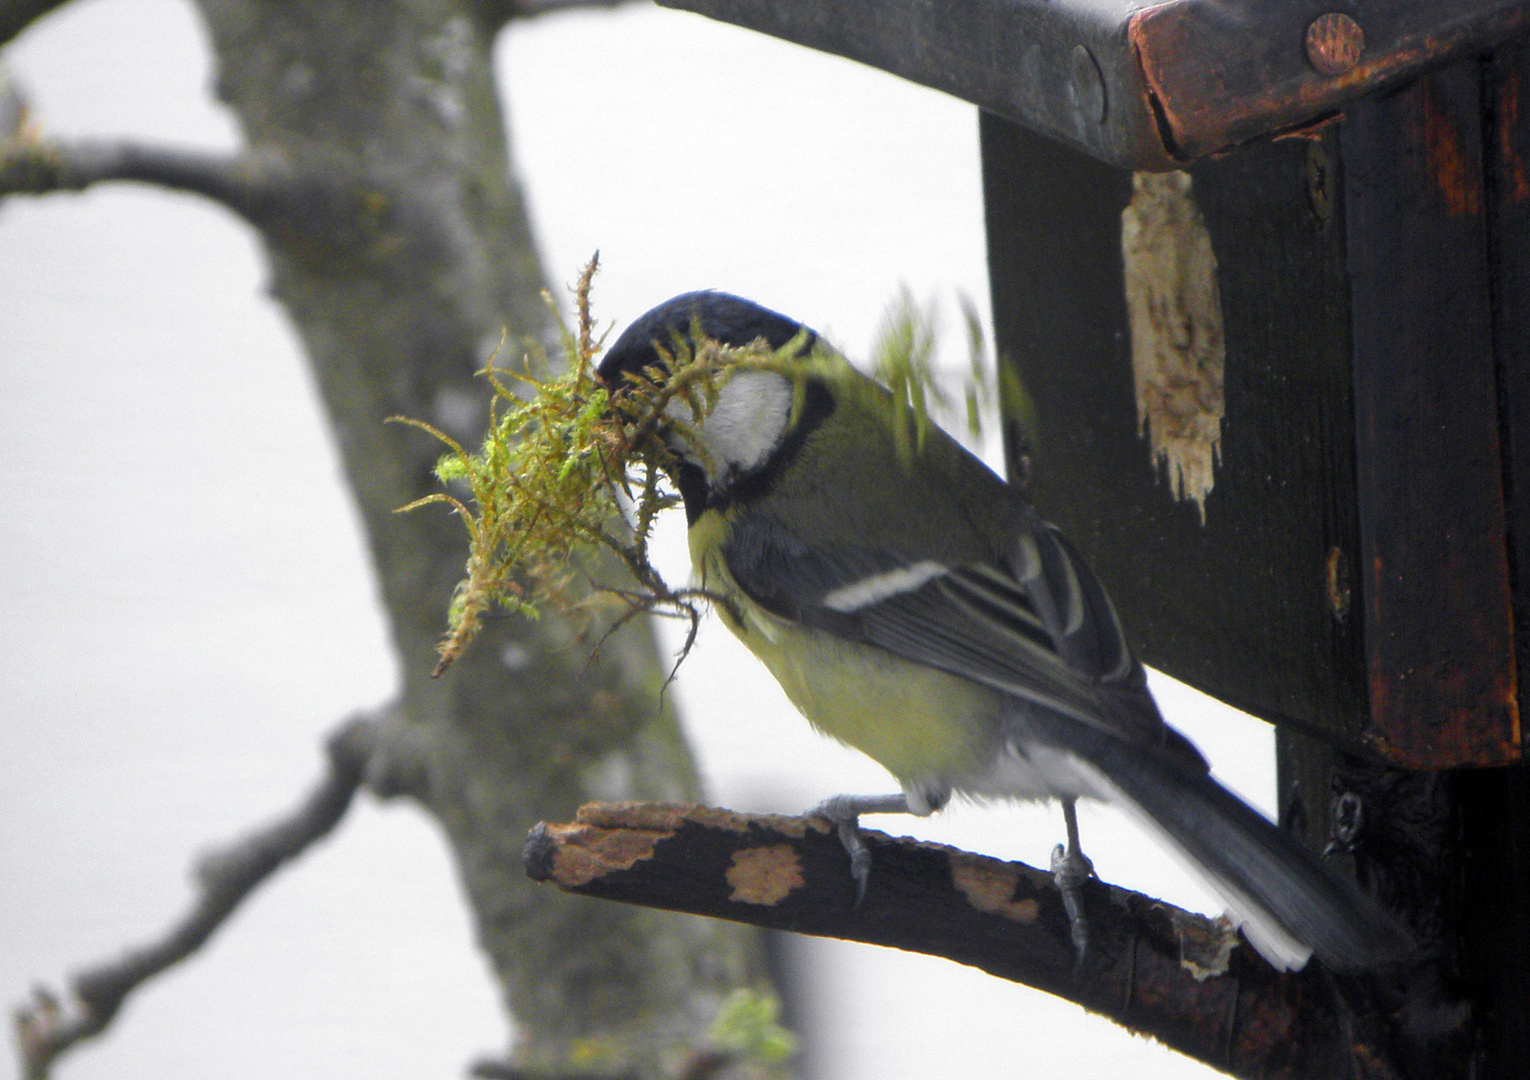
1205 945
764 875
990 887
1175 311
574 855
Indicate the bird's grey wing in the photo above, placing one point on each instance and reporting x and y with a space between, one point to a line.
1034 623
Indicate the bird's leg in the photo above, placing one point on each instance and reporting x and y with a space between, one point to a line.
1070 869
845 812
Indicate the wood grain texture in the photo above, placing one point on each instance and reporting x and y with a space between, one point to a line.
1508 186
1242 606
1433 560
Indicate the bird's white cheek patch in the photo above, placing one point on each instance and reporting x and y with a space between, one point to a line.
878 587
749 419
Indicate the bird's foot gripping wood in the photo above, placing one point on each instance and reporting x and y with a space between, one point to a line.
844 811
1070 869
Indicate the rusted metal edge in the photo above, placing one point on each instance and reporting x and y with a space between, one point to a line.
1142 86
1220 75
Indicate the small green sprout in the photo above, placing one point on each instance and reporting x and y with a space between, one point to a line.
748 1025
571 467
902 362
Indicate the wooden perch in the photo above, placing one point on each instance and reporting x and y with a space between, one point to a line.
1179 977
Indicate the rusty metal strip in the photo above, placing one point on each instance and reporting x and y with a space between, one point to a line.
1222 74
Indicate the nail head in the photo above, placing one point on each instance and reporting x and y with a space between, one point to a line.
1334 43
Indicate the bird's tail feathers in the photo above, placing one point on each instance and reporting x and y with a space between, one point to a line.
1290 905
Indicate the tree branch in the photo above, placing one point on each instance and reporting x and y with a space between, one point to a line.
46 1029
530 9
1151 967
325 211
40 167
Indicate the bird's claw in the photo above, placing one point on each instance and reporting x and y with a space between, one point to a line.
844 813
1070 869
860 856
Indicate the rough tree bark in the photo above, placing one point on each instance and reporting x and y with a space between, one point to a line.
377 176
1184 979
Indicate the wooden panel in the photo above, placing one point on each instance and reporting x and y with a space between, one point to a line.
1241 606
1508 185
1494 928
1434 565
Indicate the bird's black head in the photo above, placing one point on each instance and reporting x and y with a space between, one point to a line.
730 320
748 434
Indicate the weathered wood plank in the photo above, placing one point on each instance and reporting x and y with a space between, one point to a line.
1433 556
1253 606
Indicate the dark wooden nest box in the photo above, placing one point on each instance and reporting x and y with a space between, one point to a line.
1263 271
1300 472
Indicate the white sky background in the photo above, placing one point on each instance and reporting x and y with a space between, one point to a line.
185 605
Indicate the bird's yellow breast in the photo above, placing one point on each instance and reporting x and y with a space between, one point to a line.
916 721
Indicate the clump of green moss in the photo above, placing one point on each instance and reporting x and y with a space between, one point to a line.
563 457
571 467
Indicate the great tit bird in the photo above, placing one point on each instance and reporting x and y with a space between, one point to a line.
913 605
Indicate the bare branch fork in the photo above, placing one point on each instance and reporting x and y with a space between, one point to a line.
41 167
398 240
1180 977
327 205
46 1028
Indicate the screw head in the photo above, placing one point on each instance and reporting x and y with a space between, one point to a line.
1334 43
1348 818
